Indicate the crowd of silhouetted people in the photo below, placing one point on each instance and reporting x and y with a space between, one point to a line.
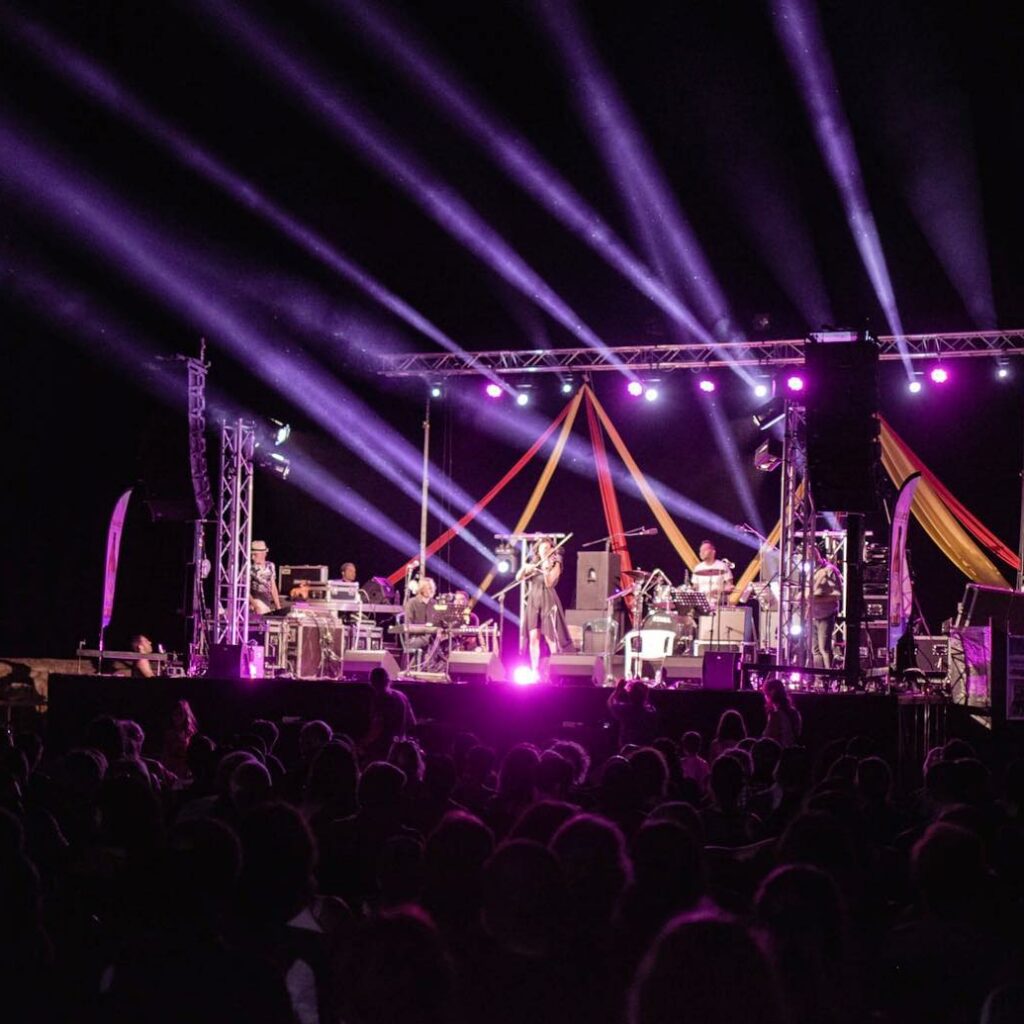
298 875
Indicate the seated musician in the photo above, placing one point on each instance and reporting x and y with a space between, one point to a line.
467 618
419 611
712 575
348 573
263 595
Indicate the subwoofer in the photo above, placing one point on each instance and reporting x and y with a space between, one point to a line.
359 664
475 667
721 671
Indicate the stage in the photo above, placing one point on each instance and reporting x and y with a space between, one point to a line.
499 714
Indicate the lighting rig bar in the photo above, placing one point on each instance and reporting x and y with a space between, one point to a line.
691 356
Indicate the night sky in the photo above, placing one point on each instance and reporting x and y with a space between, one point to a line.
115 251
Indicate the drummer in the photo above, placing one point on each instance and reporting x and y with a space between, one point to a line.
712 575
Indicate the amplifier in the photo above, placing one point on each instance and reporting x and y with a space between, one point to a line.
932 654
291 575
334 590
317 649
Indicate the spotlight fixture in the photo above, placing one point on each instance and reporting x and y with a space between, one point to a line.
651 394
939 374
795 382
768 455
567 386
435 390
493 390
761 390
522 398
281 432
506 560
635 388
1002 368
707 385
770 413
914 387
275 462
524 675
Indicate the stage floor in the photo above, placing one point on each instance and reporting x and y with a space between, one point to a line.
500 714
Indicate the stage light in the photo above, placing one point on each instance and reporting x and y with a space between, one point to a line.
275 462
770 413
761 390
651 395
768 455
635 388
435 390
796 629
914 387
1002 370
567 387
939 375
282 431
795 382
493 390
522 398
506 560
524 675
707 385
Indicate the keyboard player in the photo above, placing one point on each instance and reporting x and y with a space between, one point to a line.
419 611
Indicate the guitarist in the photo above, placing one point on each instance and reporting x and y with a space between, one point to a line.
826 594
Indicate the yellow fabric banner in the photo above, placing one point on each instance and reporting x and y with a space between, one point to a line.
667 523
542 483
939 523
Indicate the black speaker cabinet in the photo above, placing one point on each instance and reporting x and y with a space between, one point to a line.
1002 607
227 661
475 667
721 670
597 577
576 670
359 664
596 629
682 670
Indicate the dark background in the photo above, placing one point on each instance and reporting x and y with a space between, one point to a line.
711 91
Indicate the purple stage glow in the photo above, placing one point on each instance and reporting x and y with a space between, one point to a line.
514 155
635 388
493 391
707 385
795 382
435 197
802 39
524 675
939 375
74 67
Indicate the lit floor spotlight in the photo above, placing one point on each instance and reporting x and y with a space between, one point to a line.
493 390
939 375
524 675
651 395
635 388
707 385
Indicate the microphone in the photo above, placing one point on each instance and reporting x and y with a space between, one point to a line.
731 565
648 531
743 528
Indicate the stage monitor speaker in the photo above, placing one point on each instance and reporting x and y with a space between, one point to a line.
842 426
227 661
682 669
727 626
379 591
475 667
721 671
575 670
597 578
359 664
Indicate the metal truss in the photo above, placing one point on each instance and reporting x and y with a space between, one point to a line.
197 622
796 545
234 533
689 356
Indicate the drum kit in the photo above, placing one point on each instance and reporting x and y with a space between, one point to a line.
660 605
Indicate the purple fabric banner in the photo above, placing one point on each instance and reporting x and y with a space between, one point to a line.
901 591
113 551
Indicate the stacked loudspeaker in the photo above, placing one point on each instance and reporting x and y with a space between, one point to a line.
842 422
597 578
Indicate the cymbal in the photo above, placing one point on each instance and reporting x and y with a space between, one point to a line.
637 574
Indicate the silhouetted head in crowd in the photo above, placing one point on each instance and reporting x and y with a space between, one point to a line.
202 758
793 772
406 755
704 969
691 743
948 868
776 696
134 738
278 858
249 786
597 870
380 680
104 734
524 899
226 767
478 764
957 749
439 777
462 744
843 770
554 775
82 771
453 862
517 778
681 813
541 820
312 736
333 775
874 780
400 871
130 814
201 867
638 693
576 754
380 789
764 757
817 838
668 862
397 972
650 773
183 721
731 727
727 783
267 731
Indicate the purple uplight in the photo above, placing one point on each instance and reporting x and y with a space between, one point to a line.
795 382
524 675
635 388
707 385
939 375
493 390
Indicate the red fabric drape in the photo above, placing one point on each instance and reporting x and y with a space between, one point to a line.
970 522
609 499
440 542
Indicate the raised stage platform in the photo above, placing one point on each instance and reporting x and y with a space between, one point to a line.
500 714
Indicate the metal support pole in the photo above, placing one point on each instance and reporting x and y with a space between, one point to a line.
425 495
1020 535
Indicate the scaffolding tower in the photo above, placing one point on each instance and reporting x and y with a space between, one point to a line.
234 533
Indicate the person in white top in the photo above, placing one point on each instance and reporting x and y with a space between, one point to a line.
712 575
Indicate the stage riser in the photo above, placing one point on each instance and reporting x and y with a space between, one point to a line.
500 714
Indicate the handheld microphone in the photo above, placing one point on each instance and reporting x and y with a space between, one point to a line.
648 531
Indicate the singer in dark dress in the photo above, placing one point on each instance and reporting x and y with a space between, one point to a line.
545 617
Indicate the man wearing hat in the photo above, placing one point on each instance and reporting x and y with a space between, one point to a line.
263 595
